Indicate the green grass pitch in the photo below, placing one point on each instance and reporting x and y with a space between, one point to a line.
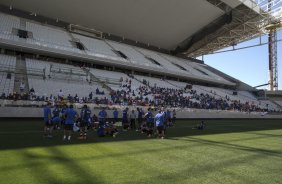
228 151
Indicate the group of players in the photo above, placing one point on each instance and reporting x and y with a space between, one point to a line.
148 123
68 118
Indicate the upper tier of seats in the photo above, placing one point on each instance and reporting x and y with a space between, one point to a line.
7 68
7 61
59 39
8 23
47 34
70 79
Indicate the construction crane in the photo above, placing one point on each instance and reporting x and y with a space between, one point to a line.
273 24
272 55
272 28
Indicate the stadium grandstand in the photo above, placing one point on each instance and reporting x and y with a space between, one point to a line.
45 54
113 55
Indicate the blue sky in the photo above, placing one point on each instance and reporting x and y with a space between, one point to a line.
248 65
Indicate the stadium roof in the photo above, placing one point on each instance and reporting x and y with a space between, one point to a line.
191 28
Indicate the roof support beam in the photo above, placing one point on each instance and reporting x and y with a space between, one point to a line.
209 29
219 4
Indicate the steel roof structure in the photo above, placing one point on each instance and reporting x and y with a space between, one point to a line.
185 28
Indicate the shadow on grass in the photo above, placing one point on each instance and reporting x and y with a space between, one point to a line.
17 134
232 146
57 167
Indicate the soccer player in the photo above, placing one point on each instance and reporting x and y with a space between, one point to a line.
143 128
132 117
159 123
56 117
115 113
101 131
202 125
110 129
102 116
173 116
63 112
125 123
48 127
95 121
168 117
71 115
140 117
165 117
85 117
150 120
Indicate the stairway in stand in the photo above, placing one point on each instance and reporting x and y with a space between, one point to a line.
93 78
21 75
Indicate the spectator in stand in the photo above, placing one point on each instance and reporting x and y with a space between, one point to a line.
70 98
90 95
32 93
97 91
22 87
76 98
3 96
60 94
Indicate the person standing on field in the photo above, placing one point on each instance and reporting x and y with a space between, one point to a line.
71 116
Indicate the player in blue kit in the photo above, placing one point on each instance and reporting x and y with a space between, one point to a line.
85 120
159 123
115 113
125 122
140 117
149 121
56 117
102 116
48 125
169 119
71 116
101 131
63 112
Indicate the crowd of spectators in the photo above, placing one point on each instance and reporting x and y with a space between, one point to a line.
146 95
